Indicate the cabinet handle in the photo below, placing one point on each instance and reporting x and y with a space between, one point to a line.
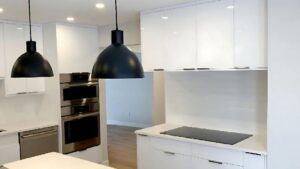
215 162
169 153
253 154
22 93
143 135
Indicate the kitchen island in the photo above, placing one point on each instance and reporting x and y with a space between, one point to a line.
54 161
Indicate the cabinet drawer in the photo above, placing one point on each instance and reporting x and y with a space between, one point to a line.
218 154
172 146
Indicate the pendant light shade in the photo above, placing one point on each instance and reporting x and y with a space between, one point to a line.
31 64
117 61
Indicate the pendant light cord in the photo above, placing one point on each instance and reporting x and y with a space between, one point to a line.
29 12
116 10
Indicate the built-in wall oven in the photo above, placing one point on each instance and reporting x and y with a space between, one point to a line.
80 112
78 88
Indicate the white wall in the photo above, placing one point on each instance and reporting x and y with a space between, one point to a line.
129 102
131 33
284 84
78 47
234 101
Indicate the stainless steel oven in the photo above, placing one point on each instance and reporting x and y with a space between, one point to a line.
80 127
78 88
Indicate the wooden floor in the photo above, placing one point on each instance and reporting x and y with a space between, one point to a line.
122 147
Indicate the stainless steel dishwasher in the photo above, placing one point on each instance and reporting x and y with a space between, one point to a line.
37 142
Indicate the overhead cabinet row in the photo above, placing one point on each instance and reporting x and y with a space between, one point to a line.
13 39
210 34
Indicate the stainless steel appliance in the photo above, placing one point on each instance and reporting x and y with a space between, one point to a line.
78 88
80 127
37 142
80 112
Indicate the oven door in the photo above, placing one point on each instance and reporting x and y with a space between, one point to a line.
79 93
80 132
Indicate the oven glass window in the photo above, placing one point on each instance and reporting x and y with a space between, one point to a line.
81 129
79 92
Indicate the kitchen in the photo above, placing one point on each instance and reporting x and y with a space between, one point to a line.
218 91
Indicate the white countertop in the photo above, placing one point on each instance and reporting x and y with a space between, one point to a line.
14 128
54 161
255 144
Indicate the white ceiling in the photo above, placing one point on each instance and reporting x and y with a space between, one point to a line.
83 11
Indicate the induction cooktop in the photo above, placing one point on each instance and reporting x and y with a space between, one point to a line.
216 136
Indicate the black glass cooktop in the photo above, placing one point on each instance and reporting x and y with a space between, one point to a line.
208 135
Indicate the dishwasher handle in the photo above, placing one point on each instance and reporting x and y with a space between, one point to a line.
53 131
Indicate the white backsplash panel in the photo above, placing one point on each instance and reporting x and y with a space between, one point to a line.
228 100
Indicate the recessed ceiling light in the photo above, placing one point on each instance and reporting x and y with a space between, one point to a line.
142 28
1 10
100 5
20 28
164 17
70 19
230 7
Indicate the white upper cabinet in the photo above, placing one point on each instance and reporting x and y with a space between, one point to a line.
215 45
250 33
15 37
216 34
180 40
2 58
153 37
14 42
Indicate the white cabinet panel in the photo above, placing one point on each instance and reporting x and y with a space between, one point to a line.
180 40
9 148
215 34
15 45
2 58
250 33
144 152
152 37
253 161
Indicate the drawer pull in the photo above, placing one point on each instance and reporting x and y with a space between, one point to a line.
253 154
215 162
143 135
169 153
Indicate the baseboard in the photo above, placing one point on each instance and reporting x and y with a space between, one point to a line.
130 124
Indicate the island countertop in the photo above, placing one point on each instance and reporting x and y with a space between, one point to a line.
255 144
54 161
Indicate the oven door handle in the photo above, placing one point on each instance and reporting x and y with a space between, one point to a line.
80 84
80 116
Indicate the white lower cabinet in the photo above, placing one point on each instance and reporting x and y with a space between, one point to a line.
157 153
9 148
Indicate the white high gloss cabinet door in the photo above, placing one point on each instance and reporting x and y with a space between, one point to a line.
252 161
169 160
144 152
153 38
215 34
250 33
15 46
2 58
35 84
181 42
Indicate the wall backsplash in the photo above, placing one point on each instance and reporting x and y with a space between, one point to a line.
230 100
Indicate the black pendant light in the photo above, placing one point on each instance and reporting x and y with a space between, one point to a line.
117 61
31 64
